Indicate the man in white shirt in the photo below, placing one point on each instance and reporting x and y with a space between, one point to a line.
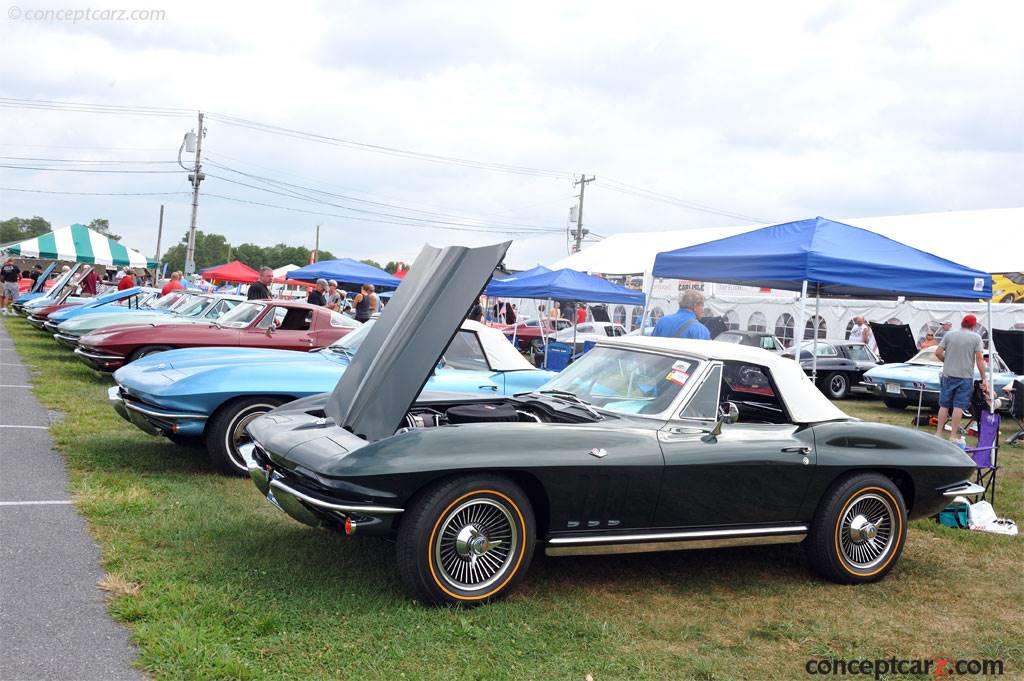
861 332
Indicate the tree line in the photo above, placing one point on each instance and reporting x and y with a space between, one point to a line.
214 249
18 229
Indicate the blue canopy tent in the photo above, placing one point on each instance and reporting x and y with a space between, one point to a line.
345 271
564 284
539 269
834 258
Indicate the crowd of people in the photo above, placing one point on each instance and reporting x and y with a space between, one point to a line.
325 293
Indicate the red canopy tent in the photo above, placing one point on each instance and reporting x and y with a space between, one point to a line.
235 271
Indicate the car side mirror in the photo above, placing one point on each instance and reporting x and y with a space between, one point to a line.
728 414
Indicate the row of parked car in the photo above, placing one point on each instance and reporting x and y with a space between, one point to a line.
435 432
198 367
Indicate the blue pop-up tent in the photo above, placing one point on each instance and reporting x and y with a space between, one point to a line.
564 285
539 269
832 258
345 271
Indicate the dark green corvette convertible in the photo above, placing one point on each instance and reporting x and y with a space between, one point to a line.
644 444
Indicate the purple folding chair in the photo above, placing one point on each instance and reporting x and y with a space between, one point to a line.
986 454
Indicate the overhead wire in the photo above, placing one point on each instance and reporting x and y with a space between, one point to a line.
231 120
288 186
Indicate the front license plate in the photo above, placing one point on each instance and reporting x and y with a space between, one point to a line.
893 388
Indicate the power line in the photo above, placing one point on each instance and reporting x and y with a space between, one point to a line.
632 190
426 208
82 160
46 191
386 150
86 170
289 187
360 219
407 220
611 184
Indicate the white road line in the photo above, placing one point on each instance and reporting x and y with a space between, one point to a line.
62 502
30 427
11 364
15 386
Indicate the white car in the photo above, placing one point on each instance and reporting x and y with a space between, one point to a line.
590 331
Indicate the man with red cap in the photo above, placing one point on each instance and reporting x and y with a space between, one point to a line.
960 351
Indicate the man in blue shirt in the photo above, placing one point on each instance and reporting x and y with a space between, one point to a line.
686 322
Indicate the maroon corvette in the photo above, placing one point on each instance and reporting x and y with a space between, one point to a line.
274 324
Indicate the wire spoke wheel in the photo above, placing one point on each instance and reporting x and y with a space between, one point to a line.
867 530
477 544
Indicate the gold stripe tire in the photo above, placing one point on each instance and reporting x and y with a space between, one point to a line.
859 531
466 541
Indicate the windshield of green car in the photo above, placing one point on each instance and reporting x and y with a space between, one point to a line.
241 316
625 381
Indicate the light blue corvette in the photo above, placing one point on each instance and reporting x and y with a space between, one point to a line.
903 384
135 297
211 394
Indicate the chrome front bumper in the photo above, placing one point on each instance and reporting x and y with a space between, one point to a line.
99 360
149 419
66 340
36 321
303 507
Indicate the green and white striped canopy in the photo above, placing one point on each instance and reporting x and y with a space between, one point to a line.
78 243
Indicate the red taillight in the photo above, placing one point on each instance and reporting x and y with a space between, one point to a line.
350 527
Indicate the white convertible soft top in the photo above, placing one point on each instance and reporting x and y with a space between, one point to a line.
501 354
806 404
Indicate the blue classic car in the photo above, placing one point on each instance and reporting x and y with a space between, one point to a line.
129 298
903 384
211 394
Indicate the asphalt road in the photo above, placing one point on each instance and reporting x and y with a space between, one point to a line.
53 622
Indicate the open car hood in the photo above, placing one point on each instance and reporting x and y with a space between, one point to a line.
41 280
63 283
895 342
405 344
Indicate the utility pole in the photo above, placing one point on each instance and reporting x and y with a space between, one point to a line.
159 234
316 246
195 177
579 233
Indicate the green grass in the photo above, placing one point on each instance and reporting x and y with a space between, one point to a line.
215 583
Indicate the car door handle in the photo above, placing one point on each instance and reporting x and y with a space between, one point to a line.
797 450
487 387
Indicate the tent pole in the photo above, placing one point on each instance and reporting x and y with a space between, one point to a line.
991 357
575 316
814 325
798 330
647 304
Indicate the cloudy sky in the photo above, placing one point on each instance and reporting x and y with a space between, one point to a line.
751 110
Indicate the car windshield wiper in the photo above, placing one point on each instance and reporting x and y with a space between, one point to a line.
341 349
571 397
